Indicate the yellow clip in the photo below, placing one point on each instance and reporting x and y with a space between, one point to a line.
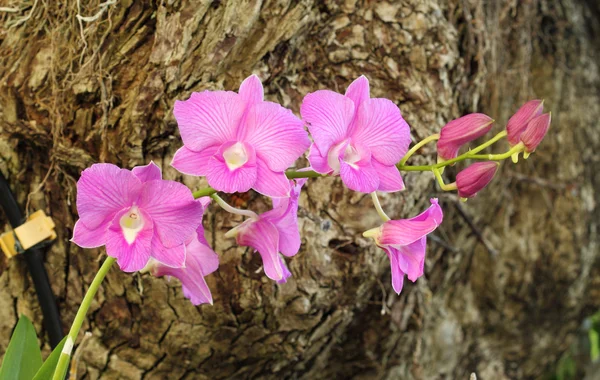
36 229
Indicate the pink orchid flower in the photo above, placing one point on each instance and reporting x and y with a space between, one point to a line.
200 261
239 141
404 242
136 215
357 137
274 232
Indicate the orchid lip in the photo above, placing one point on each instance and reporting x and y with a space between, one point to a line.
235 156
350 156
131 224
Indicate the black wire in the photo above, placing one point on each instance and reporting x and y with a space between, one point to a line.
34 257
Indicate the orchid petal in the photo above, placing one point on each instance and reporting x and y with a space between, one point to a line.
201 261
172 207
276 134
390 179
412 258
251 90
406 231
358 91
174 257
317 162
102 191
397 273
286 272
148 172
209 118
381 128
328 115
264 238
284 216
269 182
87 238
191 162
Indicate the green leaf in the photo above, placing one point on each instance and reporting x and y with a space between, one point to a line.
47 369
23 357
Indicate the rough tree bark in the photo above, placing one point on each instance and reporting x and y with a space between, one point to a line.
509 275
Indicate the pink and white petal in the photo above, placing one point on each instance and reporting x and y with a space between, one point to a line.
269 182
283 205
358 91
381 128
328 115
148 172
174 257
397 274
406 231
102 191
204 201
203 255
251 90
87 238
412 258
264 238
221 178
191 162
361 177
317 162
192 279
289 240
209 118
390 179
286 272
433 212
173 209
276 134
130 257
285 217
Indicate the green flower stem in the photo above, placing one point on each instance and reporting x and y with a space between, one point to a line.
227 207
418 146
378 207
207 191
440 180
65 356
291 174
468 155
499 157
471 154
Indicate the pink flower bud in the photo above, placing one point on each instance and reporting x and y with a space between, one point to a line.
535 132
475 177
518 122
461 131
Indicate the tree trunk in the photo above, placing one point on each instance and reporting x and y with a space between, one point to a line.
509 276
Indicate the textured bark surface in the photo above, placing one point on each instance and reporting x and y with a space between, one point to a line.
509 276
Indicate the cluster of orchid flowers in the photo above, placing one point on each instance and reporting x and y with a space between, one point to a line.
239 141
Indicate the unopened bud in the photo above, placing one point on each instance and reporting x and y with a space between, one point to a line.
475 177
461 131
535 132
519 121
